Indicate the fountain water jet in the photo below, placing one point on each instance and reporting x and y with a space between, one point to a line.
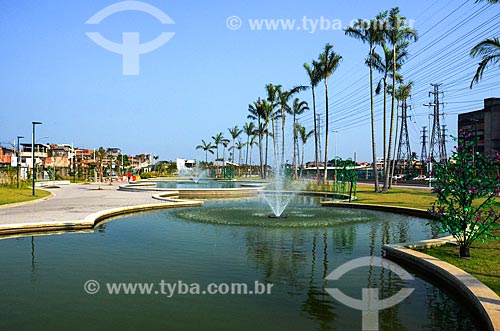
280 192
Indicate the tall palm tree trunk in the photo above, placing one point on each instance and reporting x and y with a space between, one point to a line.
395 148
275 145
261 150
388 169
282 137
246 154
385 123
267 148
374 147
326 131
295 141
302 163
316 158
250 160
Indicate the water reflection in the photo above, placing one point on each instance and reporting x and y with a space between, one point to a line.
299 262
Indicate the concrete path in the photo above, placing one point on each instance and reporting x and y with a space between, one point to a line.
73 203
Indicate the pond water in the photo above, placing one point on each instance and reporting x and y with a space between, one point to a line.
233 241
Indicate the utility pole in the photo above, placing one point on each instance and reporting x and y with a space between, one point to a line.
404 148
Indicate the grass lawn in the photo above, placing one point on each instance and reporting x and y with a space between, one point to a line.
12 195
403 197
484 263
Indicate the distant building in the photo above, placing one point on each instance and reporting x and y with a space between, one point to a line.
113 151
6 156
41 153
485 125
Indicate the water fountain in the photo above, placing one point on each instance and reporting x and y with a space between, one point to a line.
195 173
280 192
198 173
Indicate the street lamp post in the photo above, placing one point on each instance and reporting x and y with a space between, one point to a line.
18 158
33 157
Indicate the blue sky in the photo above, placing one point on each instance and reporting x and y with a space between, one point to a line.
202 80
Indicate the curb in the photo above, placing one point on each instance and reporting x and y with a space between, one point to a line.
482 299
90 221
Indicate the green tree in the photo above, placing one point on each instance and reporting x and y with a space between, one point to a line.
101 158
299 107
328 62
466 186
207 148
398 34
369 34
489 51
314 81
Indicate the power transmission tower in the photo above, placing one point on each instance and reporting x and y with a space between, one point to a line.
436 148
423 153
404 148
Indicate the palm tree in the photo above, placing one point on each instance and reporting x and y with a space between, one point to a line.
371 35
273 92
489 51
260 112
304 137
249 129
283 99
217 141
252 143
239 146
207 148
299 107
225 142
314 81
328 62
383 64
235 133
398 34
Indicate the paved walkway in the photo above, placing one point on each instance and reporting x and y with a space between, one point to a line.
72 203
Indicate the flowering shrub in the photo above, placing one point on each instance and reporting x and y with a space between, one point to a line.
466 187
